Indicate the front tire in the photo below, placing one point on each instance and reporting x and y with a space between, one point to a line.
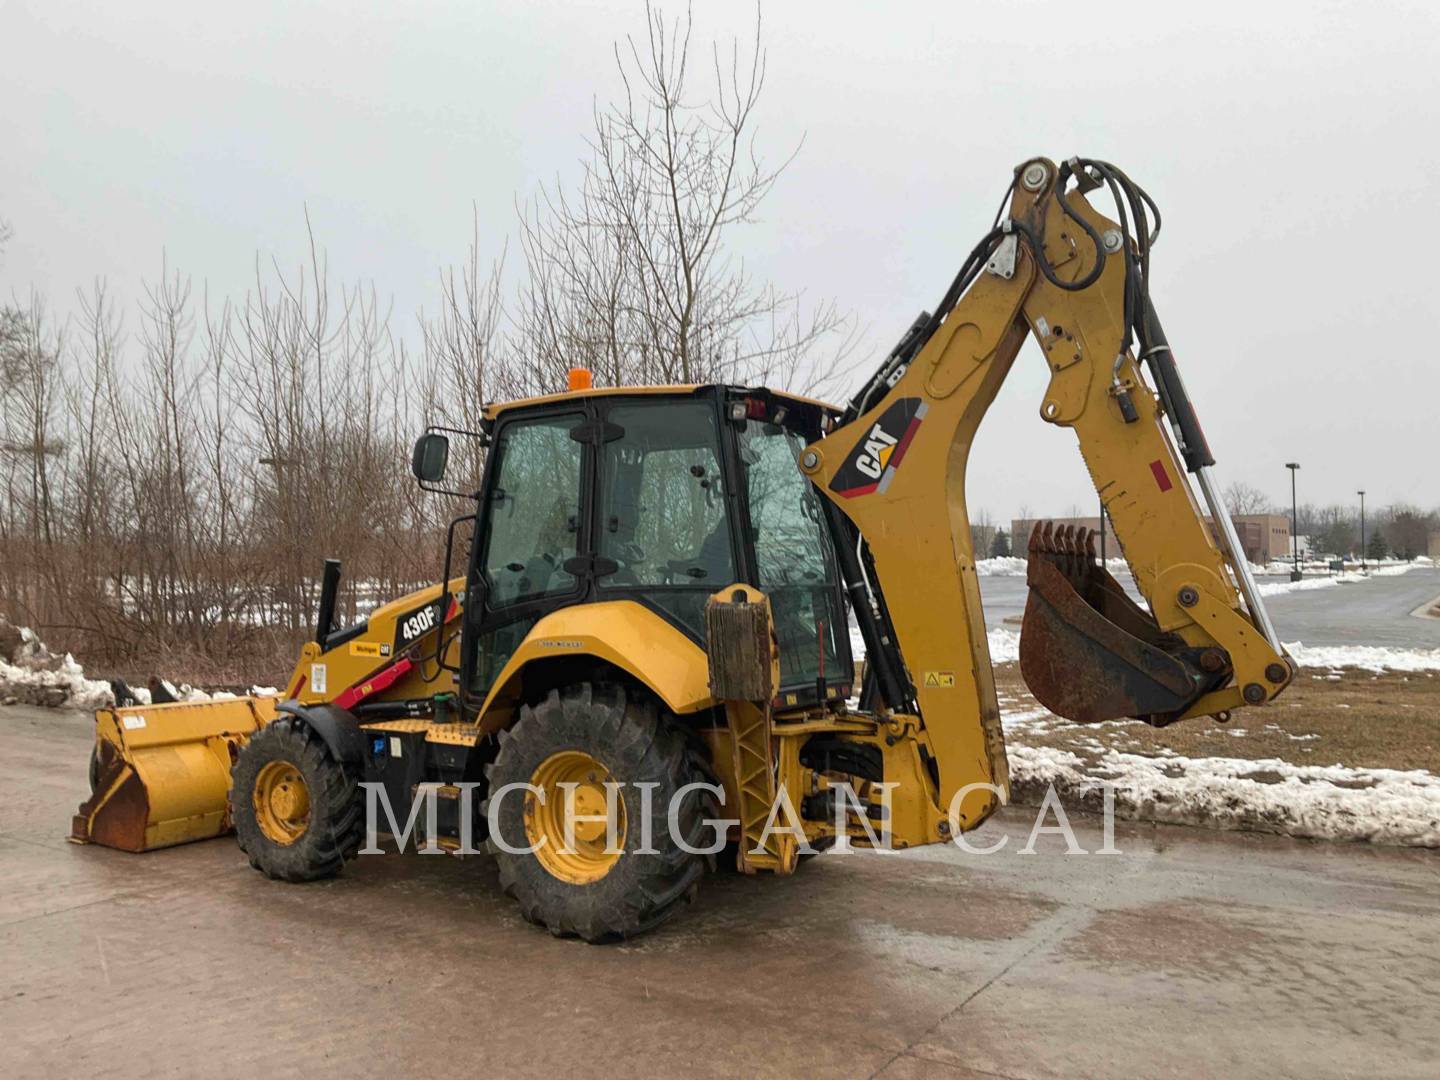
590 735
296 809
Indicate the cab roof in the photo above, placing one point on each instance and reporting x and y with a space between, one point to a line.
494 409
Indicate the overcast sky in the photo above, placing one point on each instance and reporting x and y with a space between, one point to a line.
1292 148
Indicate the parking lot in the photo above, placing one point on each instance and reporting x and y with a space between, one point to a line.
1191 953
1372 612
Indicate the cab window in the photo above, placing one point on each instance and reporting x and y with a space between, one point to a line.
663 517
532 513
794 563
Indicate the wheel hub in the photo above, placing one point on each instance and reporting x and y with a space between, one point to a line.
282 802
589 858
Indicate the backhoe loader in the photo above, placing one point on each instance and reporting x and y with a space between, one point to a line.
653 616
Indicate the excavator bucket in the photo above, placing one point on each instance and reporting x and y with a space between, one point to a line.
160 774
1090 653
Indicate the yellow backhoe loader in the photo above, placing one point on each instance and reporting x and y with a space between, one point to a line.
654 618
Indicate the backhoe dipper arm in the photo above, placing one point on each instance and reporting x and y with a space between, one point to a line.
895 466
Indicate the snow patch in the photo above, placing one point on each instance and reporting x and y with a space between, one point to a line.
1334 802
1015 566
31 674
1345 577
1000 566
1004 645
1368 657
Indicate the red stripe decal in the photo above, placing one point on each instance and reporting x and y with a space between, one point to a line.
1162 477
864 489
898 453
373 685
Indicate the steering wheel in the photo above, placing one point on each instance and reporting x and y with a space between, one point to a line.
629 553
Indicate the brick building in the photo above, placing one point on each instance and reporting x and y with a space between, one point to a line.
1264 538
1020 529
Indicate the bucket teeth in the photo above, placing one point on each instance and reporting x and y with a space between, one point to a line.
1069 548
1088 651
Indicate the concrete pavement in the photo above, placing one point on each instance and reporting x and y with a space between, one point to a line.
1190 954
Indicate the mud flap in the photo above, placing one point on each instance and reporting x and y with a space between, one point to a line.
1089 653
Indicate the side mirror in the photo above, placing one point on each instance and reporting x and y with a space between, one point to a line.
432 453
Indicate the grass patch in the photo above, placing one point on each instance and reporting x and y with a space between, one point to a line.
1349 717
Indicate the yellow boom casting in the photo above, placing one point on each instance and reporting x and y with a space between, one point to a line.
654 616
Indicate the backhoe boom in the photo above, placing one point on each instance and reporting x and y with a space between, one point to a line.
1058 271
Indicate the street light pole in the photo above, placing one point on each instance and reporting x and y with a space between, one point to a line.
1362 530
1294 467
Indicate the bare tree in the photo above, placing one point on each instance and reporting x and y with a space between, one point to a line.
167 495
1409 530
1240 498
467 360
631 273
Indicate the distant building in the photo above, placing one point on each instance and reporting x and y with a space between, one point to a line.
1433 550
1265 538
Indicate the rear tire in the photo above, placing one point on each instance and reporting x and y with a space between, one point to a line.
633 744
288 753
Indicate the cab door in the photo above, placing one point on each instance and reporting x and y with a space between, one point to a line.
532 531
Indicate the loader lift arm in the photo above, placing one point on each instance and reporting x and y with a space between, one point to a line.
1077 281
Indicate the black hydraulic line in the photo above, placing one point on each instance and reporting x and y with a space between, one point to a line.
1155 351
394 710
900 356
881 651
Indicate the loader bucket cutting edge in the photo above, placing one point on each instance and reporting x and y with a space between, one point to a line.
162 772
1088 652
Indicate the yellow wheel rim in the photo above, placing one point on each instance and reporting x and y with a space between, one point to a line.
282 802
587 859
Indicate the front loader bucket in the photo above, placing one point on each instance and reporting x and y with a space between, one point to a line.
160 774
1089 653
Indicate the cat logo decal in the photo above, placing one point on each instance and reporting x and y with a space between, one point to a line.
877 456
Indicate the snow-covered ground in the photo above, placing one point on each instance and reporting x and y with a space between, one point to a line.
1329 802
1367 657
32 675
1321 802
1000 566
1015 566
1319 576
1004 645
1326 580
1005 649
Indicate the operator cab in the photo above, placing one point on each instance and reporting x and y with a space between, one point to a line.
660 496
